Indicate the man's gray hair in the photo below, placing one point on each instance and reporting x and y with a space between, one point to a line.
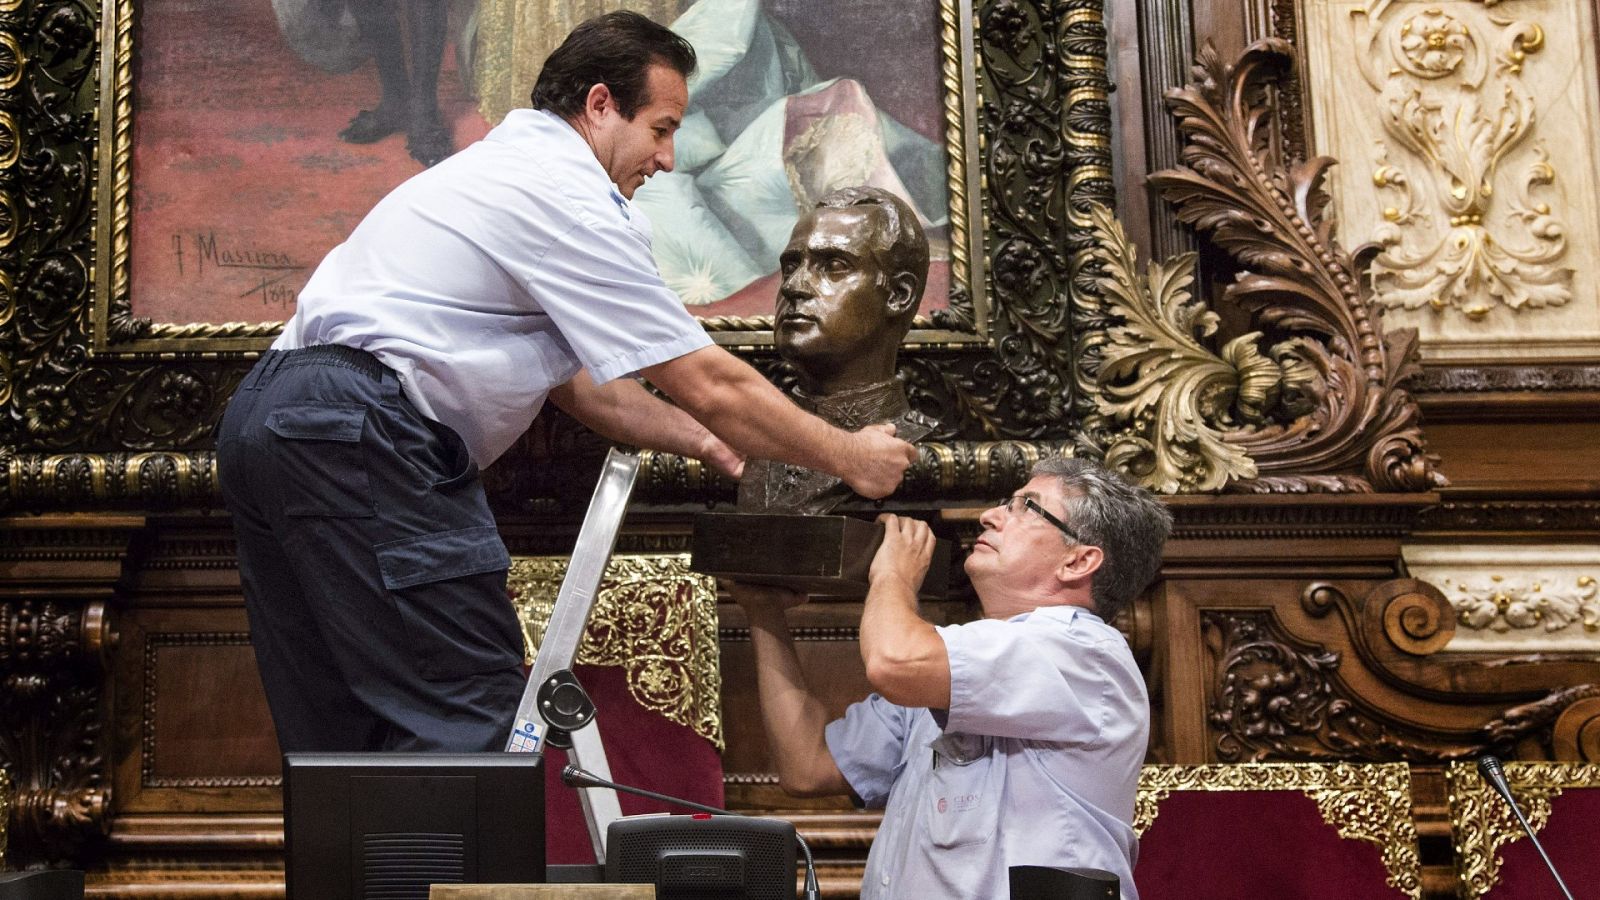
901 243
1124 520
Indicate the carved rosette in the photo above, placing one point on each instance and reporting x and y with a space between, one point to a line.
1315 402
653 618
1369 803
1482 823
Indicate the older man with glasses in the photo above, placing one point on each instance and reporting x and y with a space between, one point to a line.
1012 740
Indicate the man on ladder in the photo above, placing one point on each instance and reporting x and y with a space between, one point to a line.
422 348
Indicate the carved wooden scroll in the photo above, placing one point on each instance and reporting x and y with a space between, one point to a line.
1313 400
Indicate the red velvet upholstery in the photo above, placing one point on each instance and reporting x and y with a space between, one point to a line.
644 749
1253 845
1571 837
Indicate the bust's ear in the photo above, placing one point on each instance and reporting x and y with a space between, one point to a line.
902 294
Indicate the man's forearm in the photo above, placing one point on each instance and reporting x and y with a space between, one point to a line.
744 409
906 660
792 716
622 410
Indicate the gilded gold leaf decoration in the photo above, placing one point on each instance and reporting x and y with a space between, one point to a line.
1467 222
1368 802
1168 397
653 618
1482 824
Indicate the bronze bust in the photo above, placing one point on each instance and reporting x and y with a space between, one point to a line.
852 278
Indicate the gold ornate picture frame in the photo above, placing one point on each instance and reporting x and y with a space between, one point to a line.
118 329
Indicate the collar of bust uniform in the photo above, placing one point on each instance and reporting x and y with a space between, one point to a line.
856 407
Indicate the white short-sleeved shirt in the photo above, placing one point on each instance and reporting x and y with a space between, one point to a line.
493 277
1035 763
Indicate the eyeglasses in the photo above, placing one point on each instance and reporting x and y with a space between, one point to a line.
1016 504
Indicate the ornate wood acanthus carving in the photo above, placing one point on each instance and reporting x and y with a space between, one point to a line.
1325 391
1370 803
1572 715
1453 102
1275 697
1169 399
52 656
55 639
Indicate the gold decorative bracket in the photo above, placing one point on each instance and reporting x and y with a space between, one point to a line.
653 618
1364 802
1482 824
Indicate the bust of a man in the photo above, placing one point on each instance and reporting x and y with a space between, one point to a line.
853 273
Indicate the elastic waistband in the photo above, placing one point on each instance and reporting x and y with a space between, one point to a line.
331 355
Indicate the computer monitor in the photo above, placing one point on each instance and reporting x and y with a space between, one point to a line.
361 826
703 857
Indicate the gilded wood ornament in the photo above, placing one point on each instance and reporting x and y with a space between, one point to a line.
1482 823
1342 420
1365 802
653 618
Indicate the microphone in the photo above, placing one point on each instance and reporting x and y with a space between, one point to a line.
574 777
1491 770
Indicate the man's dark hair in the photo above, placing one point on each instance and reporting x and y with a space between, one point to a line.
1123 519
901 244
617 50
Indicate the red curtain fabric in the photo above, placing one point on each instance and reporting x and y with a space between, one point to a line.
1571 837
644 749
1253 845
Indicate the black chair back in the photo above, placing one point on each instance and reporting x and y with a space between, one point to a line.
51 884
1045 883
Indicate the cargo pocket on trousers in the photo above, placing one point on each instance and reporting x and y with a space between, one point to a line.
320 444
450 591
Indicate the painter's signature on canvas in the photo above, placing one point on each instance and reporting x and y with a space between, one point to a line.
262 273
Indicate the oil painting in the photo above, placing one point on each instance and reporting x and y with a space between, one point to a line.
263 132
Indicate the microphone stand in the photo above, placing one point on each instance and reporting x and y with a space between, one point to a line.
574 777
1491 770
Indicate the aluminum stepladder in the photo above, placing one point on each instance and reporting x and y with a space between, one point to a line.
554 707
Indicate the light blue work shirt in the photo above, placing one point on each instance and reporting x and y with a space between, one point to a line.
493 277
1036 763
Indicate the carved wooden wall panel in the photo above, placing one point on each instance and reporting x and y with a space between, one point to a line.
1465 131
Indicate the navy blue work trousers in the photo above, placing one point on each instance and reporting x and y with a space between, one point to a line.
373 574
